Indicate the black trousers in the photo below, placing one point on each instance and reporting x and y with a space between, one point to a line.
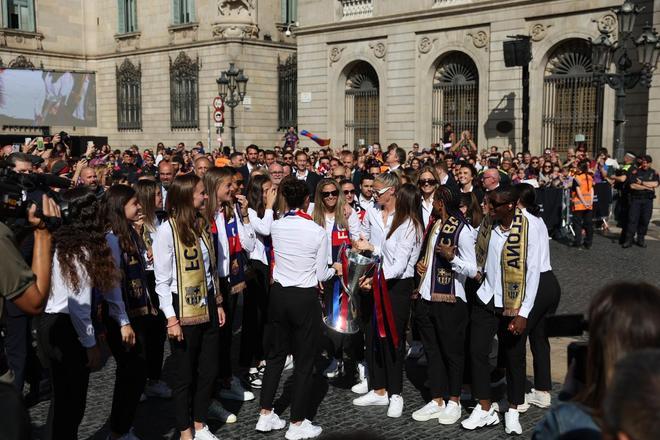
196 367
385 361
67 361
131 372
16 342
255 315
639 217
226 332
583 220
157 334
486 322
546 302
442 326
294 316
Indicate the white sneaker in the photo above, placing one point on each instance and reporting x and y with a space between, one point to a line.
302 431
541 399
450 414
236 391
480 418
396 406
429 411
269 422
361 387
204 434
158 389
288 364
511 422
372 399
523 407
218 412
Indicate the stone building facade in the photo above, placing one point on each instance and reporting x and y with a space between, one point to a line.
143 42
397 71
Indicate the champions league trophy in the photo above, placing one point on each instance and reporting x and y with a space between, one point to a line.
345 312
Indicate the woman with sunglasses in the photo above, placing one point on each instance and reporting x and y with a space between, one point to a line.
393 231
351 197
341 226
428 182
187 287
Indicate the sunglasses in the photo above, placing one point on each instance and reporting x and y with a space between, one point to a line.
326 194
338 176
349 191
288 157
424 182
382 191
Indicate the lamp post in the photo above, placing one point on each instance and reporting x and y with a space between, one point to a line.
604 51
231 87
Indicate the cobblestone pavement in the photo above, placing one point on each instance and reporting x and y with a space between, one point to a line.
580 272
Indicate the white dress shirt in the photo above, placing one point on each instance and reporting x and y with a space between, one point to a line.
353 230
399 252
261 227
165 267
427 209
301 252
245 234
492 285
464 263
78 303
543 241
365 203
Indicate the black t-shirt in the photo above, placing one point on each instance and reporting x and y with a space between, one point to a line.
16 274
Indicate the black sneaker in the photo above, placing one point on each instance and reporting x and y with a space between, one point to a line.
587 246
626 244
641 242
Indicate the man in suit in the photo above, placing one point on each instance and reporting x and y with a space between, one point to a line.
348 159
252 157
446 177
302 173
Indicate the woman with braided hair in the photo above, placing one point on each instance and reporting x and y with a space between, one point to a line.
441 314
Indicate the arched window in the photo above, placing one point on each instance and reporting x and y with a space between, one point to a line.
129 96
455 96
184 92
572 105
362 106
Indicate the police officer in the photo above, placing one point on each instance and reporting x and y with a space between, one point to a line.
621 194
642 182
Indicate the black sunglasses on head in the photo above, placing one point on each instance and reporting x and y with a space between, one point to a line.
326 194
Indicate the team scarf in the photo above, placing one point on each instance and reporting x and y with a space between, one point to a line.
341 242
237 261
514 260
383 306
134 282
191 278
443 275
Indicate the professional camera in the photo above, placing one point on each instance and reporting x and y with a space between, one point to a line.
575 325
18 192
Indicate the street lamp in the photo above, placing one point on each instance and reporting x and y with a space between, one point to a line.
232 85
603 50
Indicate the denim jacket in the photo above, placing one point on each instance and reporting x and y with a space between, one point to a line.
563 419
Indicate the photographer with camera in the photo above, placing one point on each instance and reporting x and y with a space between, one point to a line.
27 290
623 318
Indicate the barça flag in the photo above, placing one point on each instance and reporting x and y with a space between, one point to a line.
315 138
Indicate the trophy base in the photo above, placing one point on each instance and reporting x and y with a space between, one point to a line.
349 328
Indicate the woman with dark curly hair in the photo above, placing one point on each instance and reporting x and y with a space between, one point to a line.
119 210
66 333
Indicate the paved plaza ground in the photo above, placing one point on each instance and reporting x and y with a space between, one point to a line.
580 272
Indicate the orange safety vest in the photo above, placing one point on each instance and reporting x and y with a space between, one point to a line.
586 183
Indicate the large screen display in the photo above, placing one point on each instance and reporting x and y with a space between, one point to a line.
45 98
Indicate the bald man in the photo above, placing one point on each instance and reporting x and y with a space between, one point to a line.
491 179
202 165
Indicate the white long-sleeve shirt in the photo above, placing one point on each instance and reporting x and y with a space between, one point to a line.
427 209
165 267
261 228
492 285
78 304
353 230
543 241
464 263
245 234
398 253
301 252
